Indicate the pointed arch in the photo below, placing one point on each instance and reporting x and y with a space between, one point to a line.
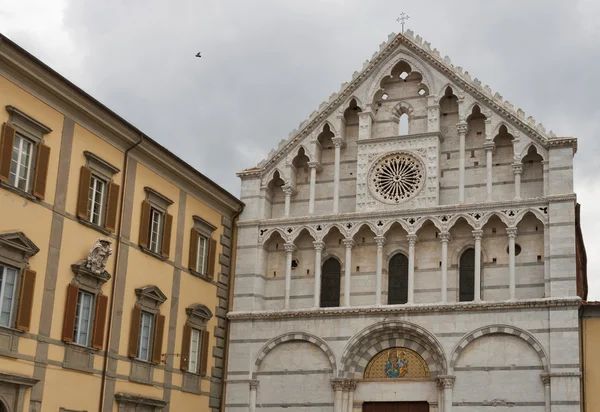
386 228
402 107
307 152
539 215
498 329
357 228
386 69
298 231
347 102
505 219
442 92
419 224
332 128
263 240
539 149
453 219
510 130
289 337
327 229
269 176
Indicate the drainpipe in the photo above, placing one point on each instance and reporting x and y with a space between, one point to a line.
116 265
234 219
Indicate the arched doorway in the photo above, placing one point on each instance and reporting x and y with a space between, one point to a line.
466 284
330 283
398 279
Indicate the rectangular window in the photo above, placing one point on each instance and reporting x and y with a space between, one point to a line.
195 342
20 167
146 330
83 318
202 255
96 200
8 281
156 221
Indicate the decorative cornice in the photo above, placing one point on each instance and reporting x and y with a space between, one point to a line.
42 128
445 209
139 400
406 309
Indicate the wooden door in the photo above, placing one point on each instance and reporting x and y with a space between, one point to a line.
395 407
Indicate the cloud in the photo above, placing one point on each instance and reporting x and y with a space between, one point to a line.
267 64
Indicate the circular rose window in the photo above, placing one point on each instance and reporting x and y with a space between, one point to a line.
396 177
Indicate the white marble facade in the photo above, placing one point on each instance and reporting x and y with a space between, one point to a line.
410 157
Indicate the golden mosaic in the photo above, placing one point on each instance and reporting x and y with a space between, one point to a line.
397 363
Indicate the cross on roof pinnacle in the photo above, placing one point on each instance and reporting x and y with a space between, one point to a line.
402 19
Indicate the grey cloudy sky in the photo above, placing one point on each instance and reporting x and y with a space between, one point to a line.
267 64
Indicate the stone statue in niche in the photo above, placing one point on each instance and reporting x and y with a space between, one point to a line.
98 256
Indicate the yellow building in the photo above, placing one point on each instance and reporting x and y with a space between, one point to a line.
590 353
114 257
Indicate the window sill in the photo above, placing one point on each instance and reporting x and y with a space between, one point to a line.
94 226
9 341
79 358
141 371
154 254
200 275
18 191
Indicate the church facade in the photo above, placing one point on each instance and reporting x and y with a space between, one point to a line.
411 247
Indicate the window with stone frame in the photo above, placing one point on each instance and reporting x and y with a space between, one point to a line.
98 199
147 325
17 283
86 309
155 224
195 340
203 248
23 155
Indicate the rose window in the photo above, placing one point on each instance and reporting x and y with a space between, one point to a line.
396 178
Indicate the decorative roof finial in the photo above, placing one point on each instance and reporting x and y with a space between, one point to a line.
402 19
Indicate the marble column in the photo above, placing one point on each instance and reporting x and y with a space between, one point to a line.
512 236
313 179
444 238
289 249
345 394
287 191
546 169
446 384
462 133
348 243
319 246
351 388
489 148
253 390
365 121
546 380
380 240
337 144
412 240
477 234
338 386
517 170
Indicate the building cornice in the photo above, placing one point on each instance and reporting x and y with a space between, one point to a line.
400 310
438 210
25 70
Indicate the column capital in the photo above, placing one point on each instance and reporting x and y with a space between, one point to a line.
315 165
287 190
289 247
366 113
489 145
477 234
380 241
462 127
348 243
319 245
545 162
446 381
349 384
444 236
412 239
546 378
517 168
338 142
337 384
512 232
253 384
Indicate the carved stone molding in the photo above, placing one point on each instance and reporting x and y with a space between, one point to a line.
446 381
405 309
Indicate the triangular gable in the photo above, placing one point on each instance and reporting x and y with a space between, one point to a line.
423 50
18 241
151 292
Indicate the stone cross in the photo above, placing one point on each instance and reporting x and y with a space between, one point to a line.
402 19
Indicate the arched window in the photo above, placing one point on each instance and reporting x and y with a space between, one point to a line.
466 288
398 279
330 283
403 127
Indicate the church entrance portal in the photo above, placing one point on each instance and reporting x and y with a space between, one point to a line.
395 407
